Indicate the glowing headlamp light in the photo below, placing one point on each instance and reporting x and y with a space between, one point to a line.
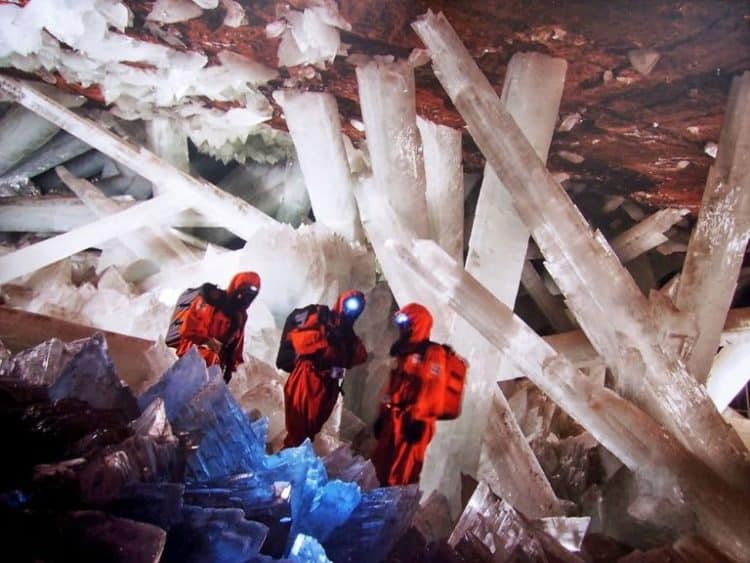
352 305
401 319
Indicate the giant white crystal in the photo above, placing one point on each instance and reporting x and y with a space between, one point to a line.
718 242
596 287
313 121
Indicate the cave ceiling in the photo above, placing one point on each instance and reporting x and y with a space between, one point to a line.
640 135
645 136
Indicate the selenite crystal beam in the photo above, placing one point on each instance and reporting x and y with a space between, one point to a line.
608 305
30 258
154 242
56 214
21 133
718 241
313 121
630 434
497 250
167 140
380 223
729 373
444 177
233 213
62 148
645 235
386 96
551 306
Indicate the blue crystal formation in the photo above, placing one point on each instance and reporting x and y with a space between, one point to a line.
261 501
90 377
379 520
228 466
219 535
318 505
178 384
306 549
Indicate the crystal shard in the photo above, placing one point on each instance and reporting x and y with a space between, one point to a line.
717 244
223 433
90 376
444 184
386 93
379 520
177 385
220 535
313 121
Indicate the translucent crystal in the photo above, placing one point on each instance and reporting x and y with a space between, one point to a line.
717 244
497 253
626 431
313 121
42 364
90 376
381 517
578 260
444 193
61 148
646 234
221 535
306 549
386 94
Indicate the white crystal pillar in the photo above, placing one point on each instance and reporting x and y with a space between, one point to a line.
386 96
168 141
729 373
313 121
233 213
608 305
381 223
154 243
645 235
630 434
444 175
21 133
497 251
30 258
718 242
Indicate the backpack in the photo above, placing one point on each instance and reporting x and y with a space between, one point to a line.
443 386
208 291
298 318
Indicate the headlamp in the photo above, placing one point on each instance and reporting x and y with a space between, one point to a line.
352 304
401 319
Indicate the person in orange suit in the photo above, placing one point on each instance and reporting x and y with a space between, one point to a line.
403 429
215 323
324 346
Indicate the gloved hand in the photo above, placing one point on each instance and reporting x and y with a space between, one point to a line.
337 372
413 429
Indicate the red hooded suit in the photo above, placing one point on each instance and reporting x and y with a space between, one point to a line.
223 320
403 429
310 393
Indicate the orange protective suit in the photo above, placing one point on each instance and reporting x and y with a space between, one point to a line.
223 321
310 393
402 429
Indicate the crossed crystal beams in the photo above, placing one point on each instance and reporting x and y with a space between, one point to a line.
608 305
653 454
525 484
154 243
182 191
719 240
485 441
